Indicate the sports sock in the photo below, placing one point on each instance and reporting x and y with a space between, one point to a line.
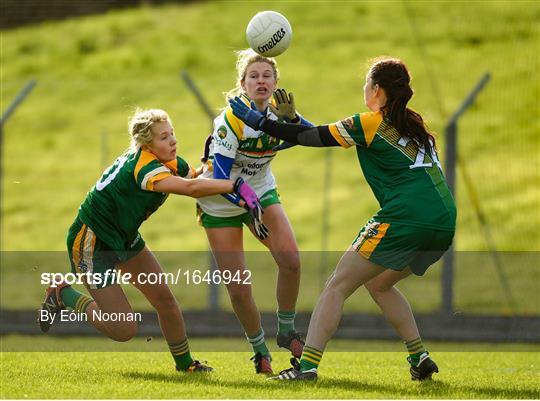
181 354
258 343
285 322
74 299
415 348
310 359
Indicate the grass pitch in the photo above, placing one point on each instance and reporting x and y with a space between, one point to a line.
343 375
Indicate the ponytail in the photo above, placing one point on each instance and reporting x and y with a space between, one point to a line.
393 77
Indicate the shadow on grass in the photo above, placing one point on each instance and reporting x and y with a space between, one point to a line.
175 377
428 388
338 384
432 388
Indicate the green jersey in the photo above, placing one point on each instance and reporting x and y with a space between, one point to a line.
406 178
124 196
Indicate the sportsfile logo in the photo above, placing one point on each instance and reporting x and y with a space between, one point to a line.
181 276
276 38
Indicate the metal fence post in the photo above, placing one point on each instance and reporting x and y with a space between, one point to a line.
213 291
451 132
448 259
325 226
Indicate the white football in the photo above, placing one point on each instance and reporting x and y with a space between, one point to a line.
269 33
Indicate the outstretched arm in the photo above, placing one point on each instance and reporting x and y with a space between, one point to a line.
305 135
197 188
194 188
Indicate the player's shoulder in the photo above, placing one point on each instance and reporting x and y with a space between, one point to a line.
370 122
178 166
371 117
232 122
143 158
146 162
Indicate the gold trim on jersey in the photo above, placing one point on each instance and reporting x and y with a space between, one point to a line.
159 173
370 123
341 135
149 177
173 166
158 177
144 159
235 124
391 135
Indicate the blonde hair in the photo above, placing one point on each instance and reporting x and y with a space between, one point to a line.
244 59
140 126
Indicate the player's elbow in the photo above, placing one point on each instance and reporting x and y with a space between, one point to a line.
190 188
178 186
193 188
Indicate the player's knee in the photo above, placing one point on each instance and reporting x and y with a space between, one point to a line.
377 287
291 263
239 294
334 287
125 332
329 280
165 302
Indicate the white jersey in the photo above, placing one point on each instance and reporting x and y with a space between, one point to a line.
252 153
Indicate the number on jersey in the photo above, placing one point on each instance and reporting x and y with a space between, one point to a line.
421 154
111 173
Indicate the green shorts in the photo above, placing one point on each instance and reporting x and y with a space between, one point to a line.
396 246
88 254
270 197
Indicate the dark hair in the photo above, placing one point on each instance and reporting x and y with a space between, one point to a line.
392 75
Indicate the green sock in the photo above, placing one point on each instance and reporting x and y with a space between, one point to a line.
258 343
285 322
310 358
181 354
415 348
74 299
